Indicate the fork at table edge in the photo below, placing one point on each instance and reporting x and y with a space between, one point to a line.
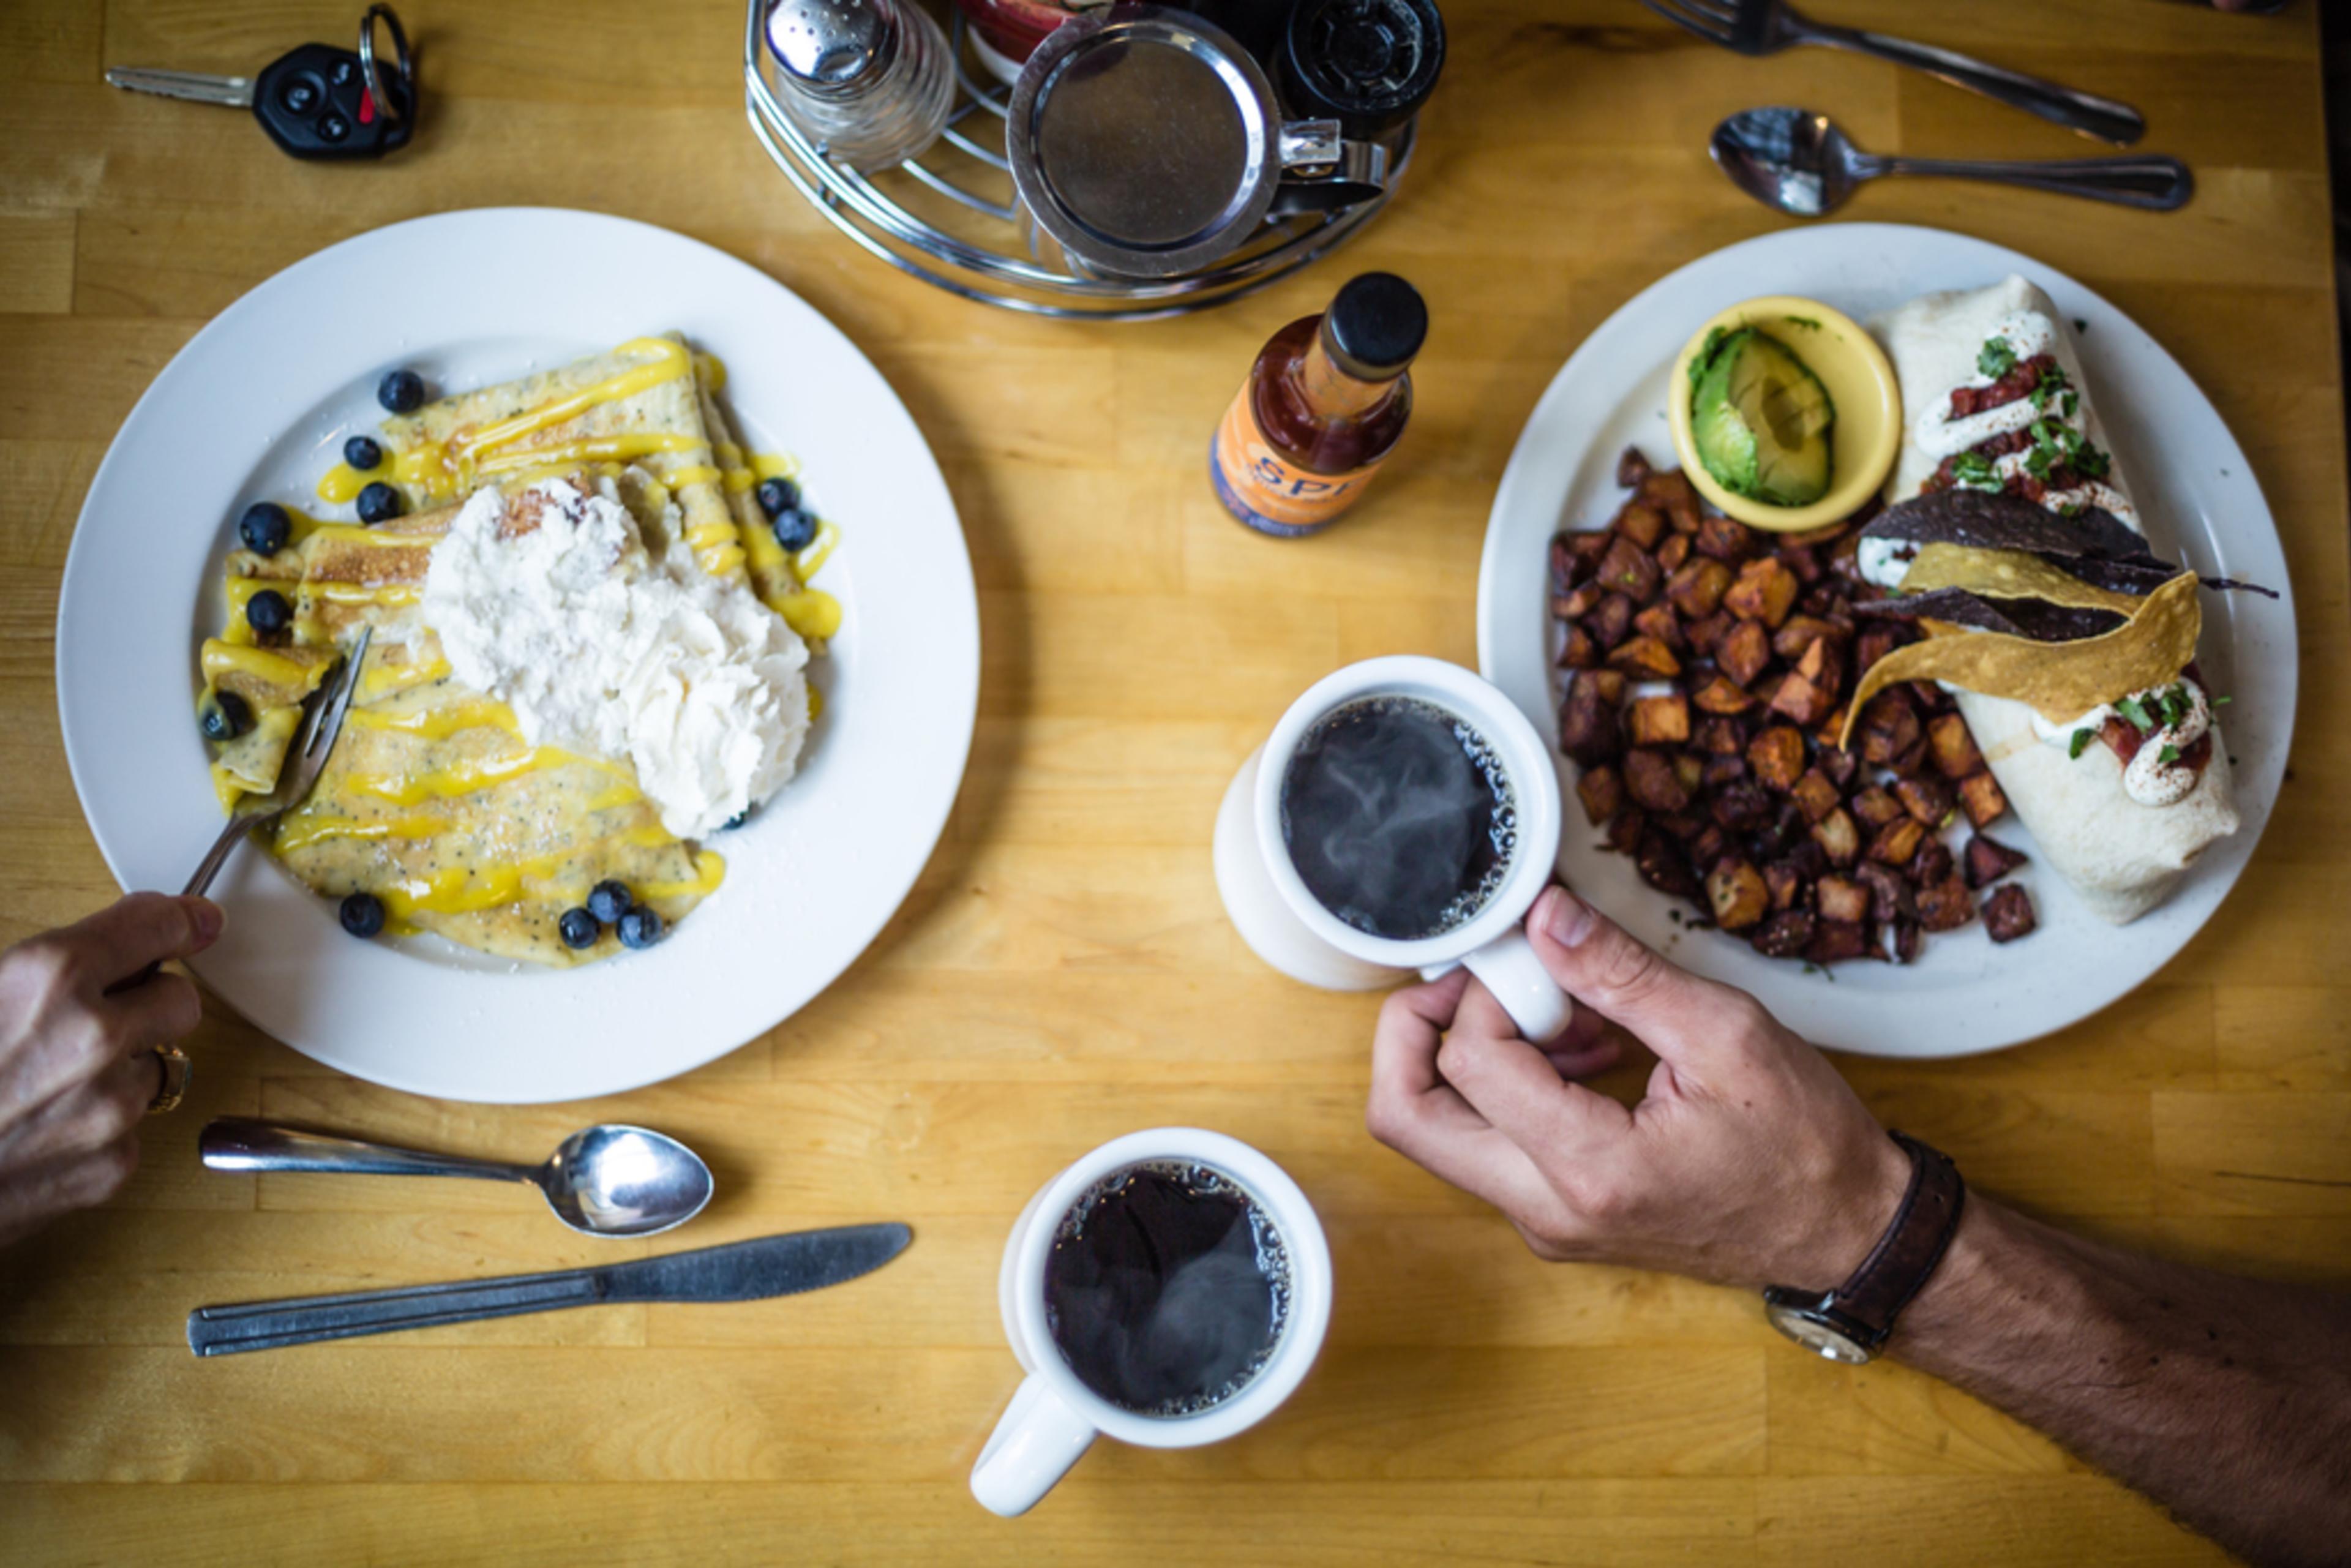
322 725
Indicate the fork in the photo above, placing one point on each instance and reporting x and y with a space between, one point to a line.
312 745
1767 27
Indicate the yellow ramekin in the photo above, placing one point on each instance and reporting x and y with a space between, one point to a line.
1861 384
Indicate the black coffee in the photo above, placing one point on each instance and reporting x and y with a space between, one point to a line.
1167 1288
1398 817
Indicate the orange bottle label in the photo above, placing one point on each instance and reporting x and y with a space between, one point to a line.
1269 492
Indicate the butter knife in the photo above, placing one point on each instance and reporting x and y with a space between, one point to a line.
739 1271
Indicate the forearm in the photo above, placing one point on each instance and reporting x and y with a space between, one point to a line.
2227 1400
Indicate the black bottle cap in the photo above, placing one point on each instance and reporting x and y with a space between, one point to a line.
1368 63
1374 327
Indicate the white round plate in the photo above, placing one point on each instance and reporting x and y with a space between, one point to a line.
2201 506
256 408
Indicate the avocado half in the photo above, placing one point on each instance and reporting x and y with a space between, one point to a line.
1760 419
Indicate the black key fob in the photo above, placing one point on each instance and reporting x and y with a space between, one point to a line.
315 103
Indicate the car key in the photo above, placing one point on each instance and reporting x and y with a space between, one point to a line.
317 101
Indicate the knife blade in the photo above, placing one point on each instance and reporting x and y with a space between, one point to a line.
738 1271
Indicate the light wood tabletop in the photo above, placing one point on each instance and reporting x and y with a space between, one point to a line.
1064 972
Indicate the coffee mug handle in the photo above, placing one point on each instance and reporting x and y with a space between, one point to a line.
1036 1441
1507 967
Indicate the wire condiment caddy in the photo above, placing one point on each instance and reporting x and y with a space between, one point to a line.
951 217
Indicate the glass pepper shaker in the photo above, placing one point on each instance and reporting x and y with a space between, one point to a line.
869 81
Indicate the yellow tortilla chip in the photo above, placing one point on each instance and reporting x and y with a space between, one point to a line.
2010 574
2061 681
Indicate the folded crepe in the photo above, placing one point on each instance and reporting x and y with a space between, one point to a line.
2026 563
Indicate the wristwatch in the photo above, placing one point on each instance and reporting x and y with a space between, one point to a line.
1850 1322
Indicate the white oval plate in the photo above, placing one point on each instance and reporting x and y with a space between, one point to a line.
2201 505
255 407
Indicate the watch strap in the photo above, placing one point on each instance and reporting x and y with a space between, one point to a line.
1913 1244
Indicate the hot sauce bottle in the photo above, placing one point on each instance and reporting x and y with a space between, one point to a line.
1321 408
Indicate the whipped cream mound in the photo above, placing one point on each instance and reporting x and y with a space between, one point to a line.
552 603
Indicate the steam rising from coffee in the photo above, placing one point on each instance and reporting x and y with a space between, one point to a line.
1167 1288
1398 817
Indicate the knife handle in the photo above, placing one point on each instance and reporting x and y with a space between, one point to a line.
268 1325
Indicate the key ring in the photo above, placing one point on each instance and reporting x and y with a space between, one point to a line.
384 104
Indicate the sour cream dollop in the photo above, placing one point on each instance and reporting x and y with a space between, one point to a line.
552 603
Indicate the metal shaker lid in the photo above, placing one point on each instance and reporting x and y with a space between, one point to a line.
1144 140
826 45
1368 63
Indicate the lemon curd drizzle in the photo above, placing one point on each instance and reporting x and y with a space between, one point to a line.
342 484
439 724
443 467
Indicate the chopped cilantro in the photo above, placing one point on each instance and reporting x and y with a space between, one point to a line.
2072 509
1802 321
2082 738
2129 708
2092 464
2174 703
2068 403
2218 701
2036 463
2051 383
1996 358
1973 471
2169 754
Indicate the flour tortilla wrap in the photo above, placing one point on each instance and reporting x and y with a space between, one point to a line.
2123 858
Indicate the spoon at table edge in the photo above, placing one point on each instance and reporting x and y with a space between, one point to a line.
1798 161
611 1179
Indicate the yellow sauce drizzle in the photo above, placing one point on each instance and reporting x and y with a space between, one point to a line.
439 724
388 593
594 449
342 483
380 678
220 658
669 363
458 778
713 370
812 613
692 474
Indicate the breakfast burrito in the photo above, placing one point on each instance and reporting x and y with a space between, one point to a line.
2012 545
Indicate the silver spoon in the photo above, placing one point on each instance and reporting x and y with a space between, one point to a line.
605 1180
1800 164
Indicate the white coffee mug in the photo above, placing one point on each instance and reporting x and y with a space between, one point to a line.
1282 921
1054 1416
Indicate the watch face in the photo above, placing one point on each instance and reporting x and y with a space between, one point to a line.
1816 1336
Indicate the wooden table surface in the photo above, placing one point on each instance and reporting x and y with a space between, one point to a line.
1063 972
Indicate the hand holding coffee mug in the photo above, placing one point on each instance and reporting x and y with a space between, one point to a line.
1170 1289
1404 816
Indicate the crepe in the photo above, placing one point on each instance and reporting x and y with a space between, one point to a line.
433 800
2122 857
641 405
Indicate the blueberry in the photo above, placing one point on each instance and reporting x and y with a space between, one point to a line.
735 822
363 454
267 612
362 913
403 391
777 496
379 503
264 527
223 715
794 529
608 901
579 928
640 928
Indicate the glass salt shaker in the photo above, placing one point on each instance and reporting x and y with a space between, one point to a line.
869 81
